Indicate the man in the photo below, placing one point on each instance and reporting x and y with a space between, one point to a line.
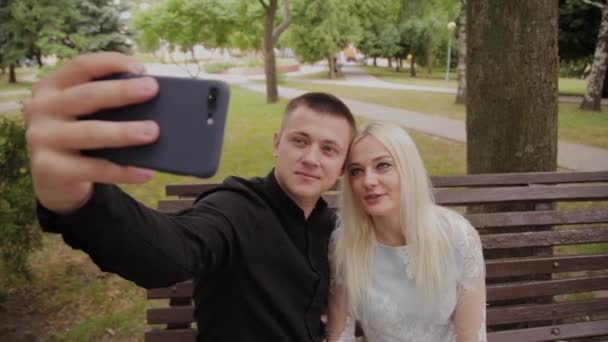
256 249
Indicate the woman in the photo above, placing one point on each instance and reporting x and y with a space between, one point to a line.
406 268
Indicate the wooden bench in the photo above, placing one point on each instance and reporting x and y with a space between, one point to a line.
562 282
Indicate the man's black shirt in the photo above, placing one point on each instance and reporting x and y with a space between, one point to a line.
260 268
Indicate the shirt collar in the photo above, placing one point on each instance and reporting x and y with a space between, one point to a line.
281 199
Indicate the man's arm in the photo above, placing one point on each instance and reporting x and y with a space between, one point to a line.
120 234
147 247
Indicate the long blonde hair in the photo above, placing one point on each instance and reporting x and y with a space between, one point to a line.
422 223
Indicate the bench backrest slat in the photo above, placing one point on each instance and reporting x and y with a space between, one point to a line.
545 238
530 289
551 333
539 218
535 312
544 265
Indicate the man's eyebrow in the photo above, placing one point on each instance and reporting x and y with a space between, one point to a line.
299 133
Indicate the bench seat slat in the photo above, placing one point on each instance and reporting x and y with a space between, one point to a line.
546 287
544 312
180 290
552 333
171 315
173 335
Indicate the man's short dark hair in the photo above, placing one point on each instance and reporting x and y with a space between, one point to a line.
322 103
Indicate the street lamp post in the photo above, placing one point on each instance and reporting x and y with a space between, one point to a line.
451 27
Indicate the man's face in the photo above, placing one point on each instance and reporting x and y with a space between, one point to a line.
310 151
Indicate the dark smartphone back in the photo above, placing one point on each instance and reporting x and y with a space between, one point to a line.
191 114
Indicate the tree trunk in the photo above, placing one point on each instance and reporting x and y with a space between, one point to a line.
12 78
331 65
593 95
375 64
511 123
462 55
390 62
271 36
413 67
397 64
270 64
38 56
512 70
429 60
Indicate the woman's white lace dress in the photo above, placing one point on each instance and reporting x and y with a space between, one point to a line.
396 311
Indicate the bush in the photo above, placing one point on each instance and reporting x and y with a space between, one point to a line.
19 232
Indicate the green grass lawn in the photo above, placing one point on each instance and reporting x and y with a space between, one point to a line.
321 75
576 126
566 86
572 86
423 78
20 85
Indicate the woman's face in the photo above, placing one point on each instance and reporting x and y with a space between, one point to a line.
374 177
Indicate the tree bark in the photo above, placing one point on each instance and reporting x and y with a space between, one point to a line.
511 123
38 56
413 67
429 60
462 55
595 82
512 69
390 62
332 67
375 64
271 36
12 78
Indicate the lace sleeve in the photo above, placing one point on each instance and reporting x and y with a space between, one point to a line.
470 312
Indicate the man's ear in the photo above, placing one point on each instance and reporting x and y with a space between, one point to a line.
276 138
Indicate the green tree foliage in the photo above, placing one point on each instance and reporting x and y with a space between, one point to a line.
579 23
248 26
19 234
394 29
182 24
98 26
32 28
321 28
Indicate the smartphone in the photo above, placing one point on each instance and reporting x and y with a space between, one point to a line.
191 115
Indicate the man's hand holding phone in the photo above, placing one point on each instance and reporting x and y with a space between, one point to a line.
63 177
68 154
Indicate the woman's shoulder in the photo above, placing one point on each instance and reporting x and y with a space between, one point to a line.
459 230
